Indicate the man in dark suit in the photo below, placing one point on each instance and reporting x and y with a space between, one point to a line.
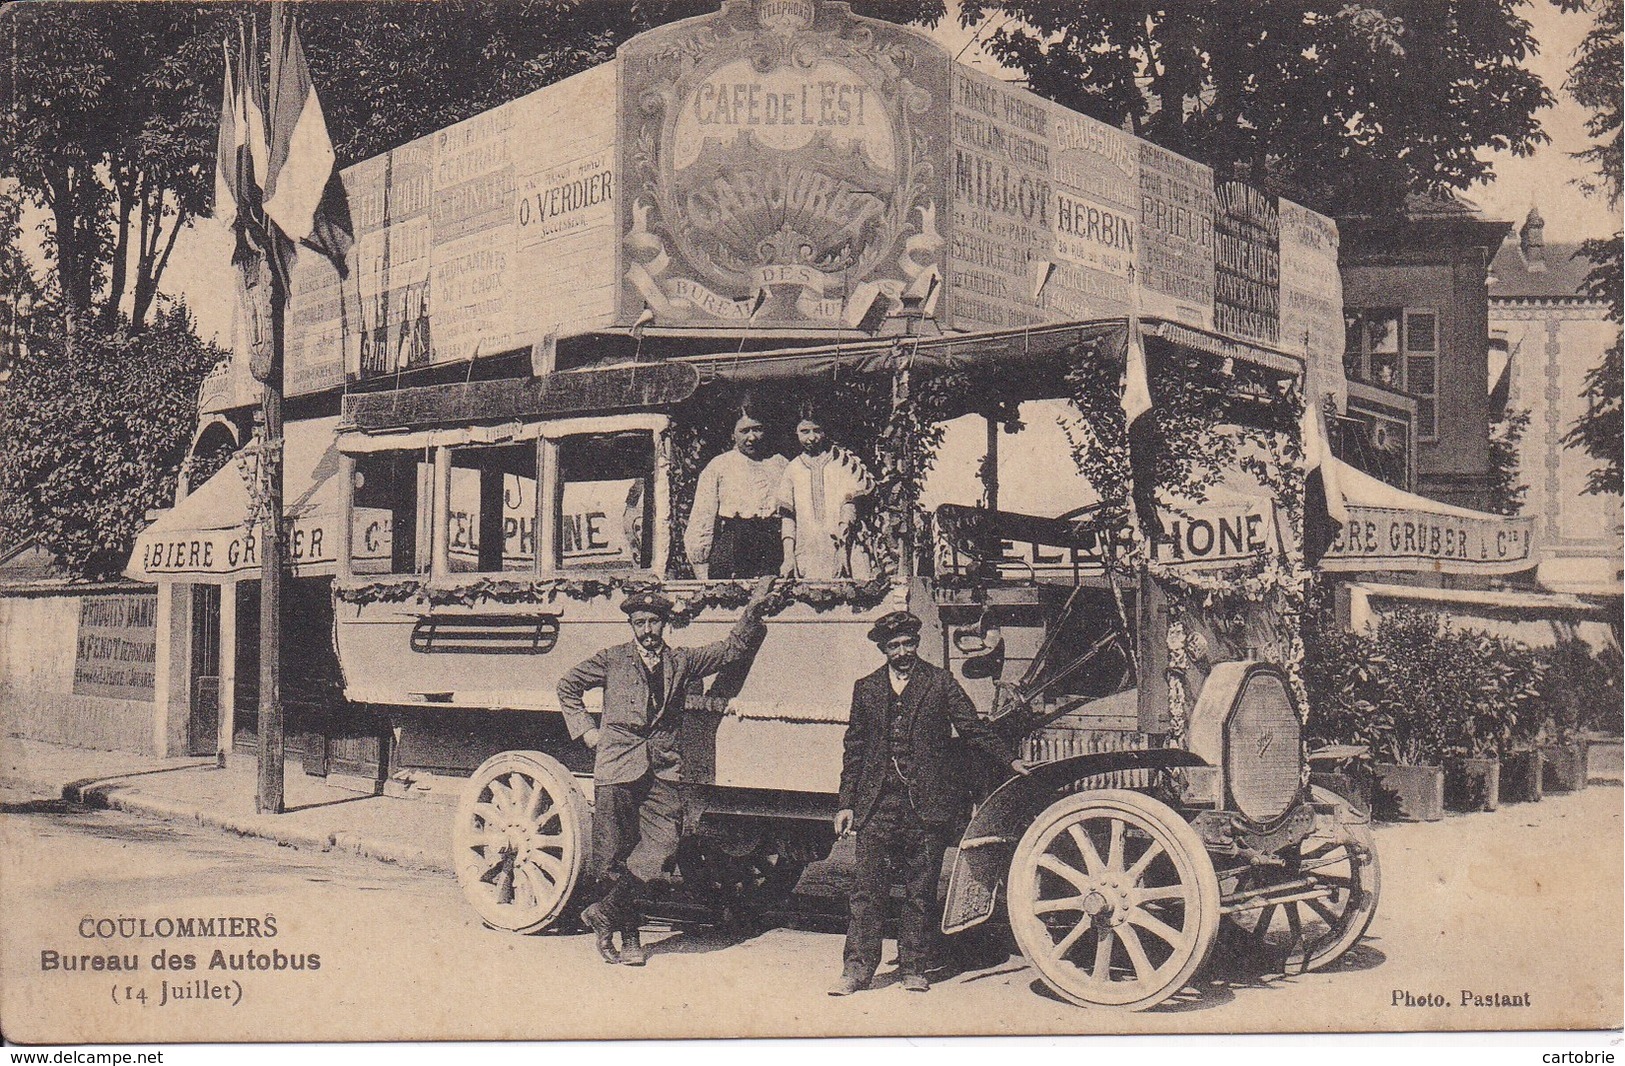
637 813
897 788
898 791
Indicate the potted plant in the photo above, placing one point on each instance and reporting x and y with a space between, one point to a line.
1562 748
1374 690
1411 658
1581 693
1409 775
1490 680
1521 761
1604 715
1340 682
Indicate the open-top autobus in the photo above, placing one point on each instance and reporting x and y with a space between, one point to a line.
494 526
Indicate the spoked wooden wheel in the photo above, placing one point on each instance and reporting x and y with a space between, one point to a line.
520 840
1113 899
1306 914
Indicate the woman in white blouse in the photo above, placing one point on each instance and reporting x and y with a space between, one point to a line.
818 497
733 529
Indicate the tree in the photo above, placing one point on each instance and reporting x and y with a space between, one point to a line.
163 177
1344 107
1594 82
109 126
21 297
89 445
414 68
1507 491
1598 431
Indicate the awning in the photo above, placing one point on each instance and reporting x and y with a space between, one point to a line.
1393 530
1535 618
207 538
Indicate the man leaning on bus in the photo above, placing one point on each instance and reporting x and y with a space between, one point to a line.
637 814
898 791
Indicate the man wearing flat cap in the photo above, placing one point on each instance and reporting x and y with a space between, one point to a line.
636 813
898 792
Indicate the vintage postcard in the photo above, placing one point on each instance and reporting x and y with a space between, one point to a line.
788 518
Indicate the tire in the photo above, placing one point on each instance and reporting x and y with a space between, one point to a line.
745 886
1113 899
522 836
1299 936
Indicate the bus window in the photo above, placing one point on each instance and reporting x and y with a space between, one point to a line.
605 503
491 521
386 534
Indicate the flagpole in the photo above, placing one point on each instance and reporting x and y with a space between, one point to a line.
269 795
270 788
291 194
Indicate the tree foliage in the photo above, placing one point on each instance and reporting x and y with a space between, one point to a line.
1507 490
1344 107
1594 82
110 109
1598 431
21 296
89 445
109 122
411 68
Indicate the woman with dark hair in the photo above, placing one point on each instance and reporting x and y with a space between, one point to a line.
733 528
818 497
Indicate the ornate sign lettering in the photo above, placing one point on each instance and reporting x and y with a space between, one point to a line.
778 157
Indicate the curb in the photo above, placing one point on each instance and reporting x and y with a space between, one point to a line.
259 826
38 785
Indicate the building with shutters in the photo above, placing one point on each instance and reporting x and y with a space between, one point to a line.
1415 303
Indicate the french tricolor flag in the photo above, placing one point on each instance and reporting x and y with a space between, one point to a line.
1325 512
303 193
1141 424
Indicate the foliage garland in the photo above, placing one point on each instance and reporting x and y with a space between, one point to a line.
1210 416
821 596
895 432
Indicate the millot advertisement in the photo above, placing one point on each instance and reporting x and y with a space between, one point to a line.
789 533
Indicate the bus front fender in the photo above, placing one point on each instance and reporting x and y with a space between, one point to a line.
983 858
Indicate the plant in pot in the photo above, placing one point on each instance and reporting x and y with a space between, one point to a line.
1580 699
1489 681
1574 683
1410 651
1408 746
1602 679
1521 758
1341 680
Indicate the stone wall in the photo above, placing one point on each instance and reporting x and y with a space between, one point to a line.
39 651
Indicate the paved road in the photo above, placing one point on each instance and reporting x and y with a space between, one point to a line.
1525 901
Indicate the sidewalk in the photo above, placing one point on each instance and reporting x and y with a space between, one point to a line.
408 832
